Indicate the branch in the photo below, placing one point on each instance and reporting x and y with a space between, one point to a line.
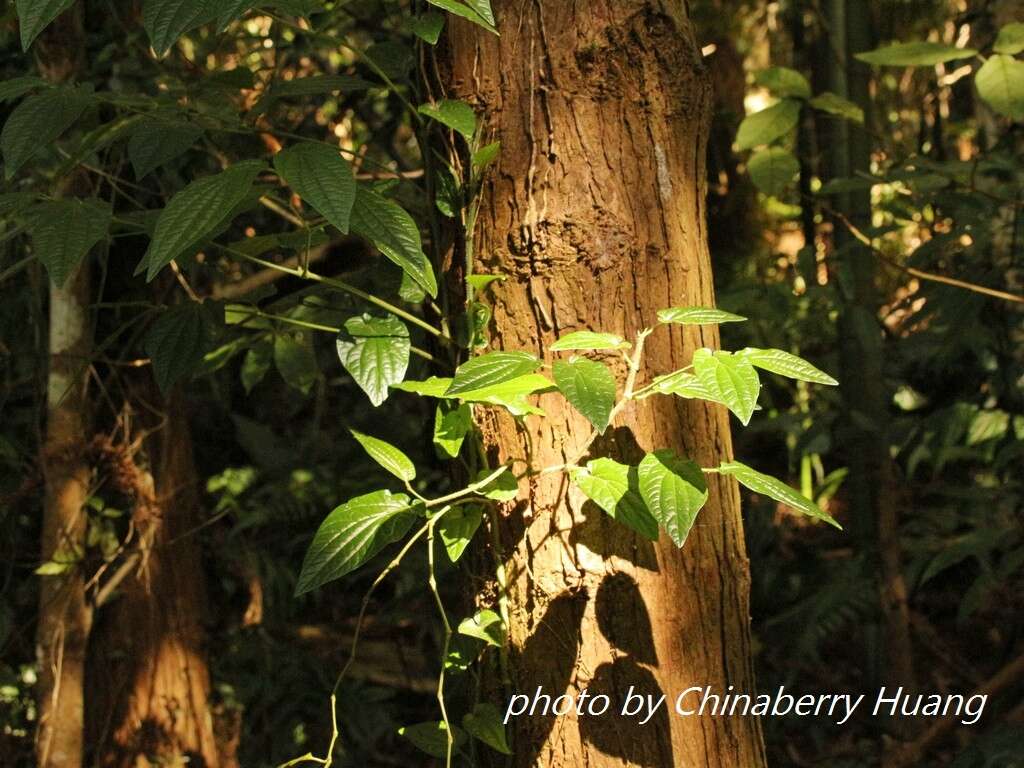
267 276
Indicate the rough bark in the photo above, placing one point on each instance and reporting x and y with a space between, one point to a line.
595 211
148 657
65 617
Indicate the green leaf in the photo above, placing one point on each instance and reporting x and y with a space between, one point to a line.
589 386
775 489
17 87
767 125
510 394
785 364
432 738
394 233
167 20
296 360
158 140
615 488
38 121
452 422
375 351
469 11
1010 39
916 54
177 342
589 340
256 364
731 380
435 386
697 316
63 232
352 534
322 177
385 454
1000 82
486 155
480 282
427 26
485 723
35 15
684 384
485 625
54 568
457 527
194 212
837 105
674 490
490 369
773 169
457 115
504 487
783 81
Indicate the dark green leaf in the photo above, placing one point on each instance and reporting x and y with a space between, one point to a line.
352 534
18 86
485 723
432 738
63 232
393 231
427 26
321 177
615 488
775 489
157 140
490 369
194 212
469 11
674 490
177 343
296 360
38 121
387 455
35 15
256 364
837 105
167 20
375 351
589 386
504 487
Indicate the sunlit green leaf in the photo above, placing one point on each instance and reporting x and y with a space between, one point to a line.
697 316
504 487
783 81
589 386
769 124
468 11
427 26
457 528
786 364
674 491
387 455
1000 82
485 625
730 379
837 105
375 351
615 488
915 54
490 369
1010 39
589 340
457 115
386 225
319 175
775 489
452 422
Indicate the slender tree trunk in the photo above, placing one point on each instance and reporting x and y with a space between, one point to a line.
871 483
65 616
148 657
595 211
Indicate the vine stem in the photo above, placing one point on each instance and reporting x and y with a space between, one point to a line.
432 579
341 286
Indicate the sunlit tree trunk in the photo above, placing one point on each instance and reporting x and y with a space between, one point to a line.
65 616
148 658
595 212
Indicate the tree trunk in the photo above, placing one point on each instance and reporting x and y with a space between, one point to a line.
65 616
148 657
595 211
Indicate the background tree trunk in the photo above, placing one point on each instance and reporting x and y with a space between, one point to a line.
65 616
595 211
148 657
